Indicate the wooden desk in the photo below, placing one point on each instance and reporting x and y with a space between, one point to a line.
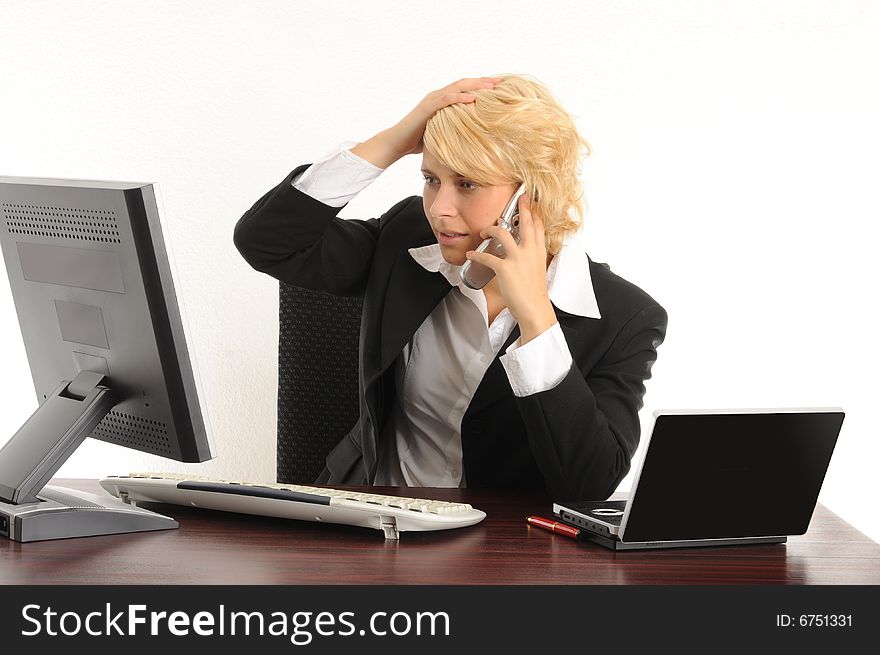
219 548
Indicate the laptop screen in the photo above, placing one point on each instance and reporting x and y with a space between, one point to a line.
727 475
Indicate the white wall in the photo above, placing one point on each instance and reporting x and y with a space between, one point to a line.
734 175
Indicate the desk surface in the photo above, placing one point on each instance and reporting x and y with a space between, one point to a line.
219 548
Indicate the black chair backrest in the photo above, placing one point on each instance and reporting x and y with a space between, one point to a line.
317 378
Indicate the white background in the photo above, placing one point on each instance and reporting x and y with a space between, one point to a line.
734 176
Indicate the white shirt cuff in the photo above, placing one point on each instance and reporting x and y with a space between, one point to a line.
338 177
540 364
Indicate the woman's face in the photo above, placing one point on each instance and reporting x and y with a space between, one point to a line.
458 208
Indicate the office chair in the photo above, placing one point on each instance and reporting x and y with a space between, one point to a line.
317 378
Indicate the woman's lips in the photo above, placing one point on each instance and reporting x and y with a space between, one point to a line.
450 237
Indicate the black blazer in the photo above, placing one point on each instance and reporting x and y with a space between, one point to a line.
576 440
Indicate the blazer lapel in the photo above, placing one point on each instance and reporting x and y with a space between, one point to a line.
413 293
568 330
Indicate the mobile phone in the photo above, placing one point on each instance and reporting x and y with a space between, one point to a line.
475 275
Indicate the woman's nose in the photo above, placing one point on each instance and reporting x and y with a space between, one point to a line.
444 202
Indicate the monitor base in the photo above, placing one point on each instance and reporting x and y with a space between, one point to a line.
61 513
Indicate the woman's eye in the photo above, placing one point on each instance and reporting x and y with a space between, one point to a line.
464 184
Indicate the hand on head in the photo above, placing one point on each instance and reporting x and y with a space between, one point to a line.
405 137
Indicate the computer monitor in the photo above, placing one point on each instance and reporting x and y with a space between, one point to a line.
93 290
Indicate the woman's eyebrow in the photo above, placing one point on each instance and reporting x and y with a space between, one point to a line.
458 175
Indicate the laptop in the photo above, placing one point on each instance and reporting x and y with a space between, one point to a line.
717 478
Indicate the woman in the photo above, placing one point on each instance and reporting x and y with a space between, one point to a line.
533 381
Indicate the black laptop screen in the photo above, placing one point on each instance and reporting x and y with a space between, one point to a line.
720 476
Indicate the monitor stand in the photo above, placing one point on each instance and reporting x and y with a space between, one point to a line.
31 511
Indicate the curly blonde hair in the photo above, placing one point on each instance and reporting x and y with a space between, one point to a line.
517 132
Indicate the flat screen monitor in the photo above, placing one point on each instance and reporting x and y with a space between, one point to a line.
93 289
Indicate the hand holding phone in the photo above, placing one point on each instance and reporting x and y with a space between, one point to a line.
475 275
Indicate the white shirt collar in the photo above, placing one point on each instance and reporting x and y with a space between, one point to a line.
569 284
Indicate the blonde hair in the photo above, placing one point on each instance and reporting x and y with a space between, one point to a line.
517 132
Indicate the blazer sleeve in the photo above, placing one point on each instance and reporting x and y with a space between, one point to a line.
301 241
584 432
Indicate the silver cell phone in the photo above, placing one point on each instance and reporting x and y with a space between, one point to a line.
475 275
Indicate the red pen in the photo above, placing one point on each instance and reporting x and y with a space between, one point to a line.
554 526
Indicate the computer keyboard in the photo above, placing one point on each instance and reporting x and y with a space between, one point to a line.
391 514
